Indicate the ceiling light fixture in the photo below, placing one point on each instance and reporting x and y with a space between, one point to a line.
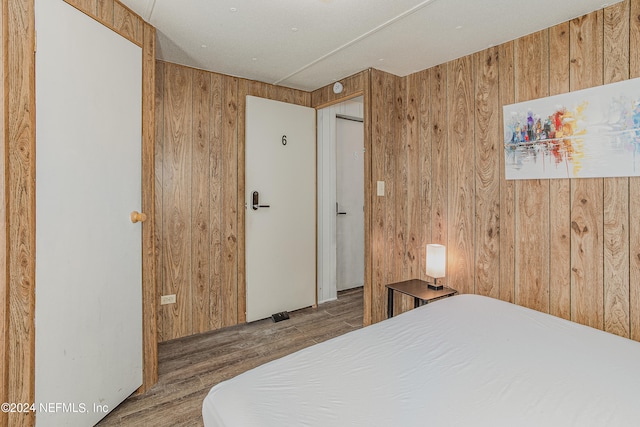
233 9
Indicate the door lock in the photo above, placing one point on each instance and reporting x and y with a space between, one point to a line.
255 204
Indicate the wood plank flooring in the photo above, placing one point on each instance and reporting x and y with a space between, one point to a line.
190 366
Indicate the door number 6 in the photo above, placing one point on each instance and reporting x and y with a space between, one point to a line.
284 139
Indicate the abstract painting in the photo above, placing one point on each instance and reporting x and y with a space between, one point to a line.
583 134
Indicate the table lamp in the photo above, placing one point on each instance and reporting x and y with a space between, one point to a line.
436 264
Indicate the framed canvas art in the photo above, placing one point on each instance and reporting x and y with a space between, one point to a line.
589 133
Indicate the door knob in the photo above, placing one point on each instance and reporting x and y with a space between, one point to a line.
338 211
138 217
255 204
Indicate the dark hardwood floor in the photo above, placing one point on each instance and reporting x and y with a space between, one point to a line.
189 367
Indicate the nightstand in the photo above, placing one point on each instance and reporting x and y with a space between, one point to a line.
417 289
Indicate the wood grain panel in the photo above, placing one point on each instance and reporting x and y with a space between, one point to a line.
200 201
439 154
389 174
634 252
507 188
488 151
586 51
616 190
616 42
127 22
532 66
245 87
4 279
20 190
415 240
401 184
352 86
559 189
378 204
159 191
215 195
634 188
587 287
634 39
461 182
229 286
586 253
105 11
532 196
368 199
177 200
390 164
149 279
425 172
532 253
616 256
88 6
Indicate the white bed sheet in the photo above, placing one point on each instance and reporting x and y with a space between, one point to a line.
467 360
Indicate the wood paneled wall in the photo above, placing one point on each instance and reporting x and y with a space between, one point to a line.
567 247
18 354
4 295
200 195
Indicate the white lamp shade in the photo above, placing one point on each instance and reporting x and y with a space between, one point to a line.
436 260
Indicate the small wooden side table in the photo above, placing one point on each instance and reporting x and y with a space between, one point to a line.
419 290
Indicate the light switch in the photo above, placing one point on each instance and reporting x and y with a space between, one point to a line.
380 188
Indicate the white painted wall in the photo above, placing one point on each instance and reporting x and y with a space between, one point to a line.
88 314
327 244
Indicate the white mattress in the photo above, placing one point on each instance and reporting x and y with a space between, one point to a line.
462 361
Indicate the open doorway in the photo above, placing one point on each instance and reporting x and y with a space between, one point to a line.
340 198
349 202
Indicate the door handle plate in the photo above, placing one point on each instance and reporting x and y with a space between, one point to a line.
255 203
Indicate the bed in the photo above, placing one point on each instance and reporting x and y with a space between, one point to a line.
467 360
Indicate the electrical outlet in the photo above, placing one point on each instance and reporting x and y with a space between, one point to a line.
380 188
168 299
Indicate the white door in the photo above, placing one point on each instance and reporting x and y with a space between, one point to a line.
350 203
279 239
88 253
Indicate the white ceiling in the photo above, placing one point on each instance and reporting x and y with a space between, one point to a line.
307 44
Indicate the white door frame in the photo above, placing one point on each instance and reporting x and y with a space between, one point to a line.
327 244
